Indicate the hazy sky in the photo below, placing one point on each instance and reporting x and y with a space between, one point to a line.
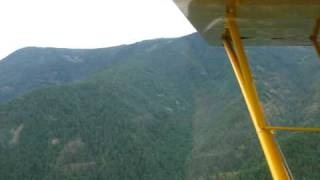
86 23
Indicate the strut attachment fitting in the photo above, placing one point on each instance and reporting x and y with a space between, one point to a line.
314 36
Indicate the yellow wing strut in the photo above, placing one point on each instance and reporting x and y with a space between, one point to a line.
301 129
234 48
237 56
263 22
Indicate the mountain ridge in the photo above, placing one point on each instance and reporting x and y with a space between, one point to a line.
52 66
164 109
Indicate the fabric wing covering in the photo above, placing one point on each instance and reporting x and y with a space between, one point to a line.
261 22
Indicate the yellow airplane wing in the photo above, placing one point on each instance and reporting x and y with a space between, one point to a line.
261 22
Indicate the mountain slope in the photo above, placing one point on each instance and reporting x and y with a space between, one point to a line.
164 109
30 68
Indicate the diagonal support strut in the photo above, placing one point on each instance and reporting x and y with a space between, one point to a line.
237 56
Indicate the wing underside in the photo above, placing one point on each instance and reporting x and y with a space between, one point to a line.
261 22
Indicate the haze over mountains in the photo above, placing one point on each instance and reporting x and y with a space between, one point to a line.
160 109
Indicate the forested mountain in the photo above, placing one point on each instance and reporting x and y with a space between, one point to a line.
161 109
30 68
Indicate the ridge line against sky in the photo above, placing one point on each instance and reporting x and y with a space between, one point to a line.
87 24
